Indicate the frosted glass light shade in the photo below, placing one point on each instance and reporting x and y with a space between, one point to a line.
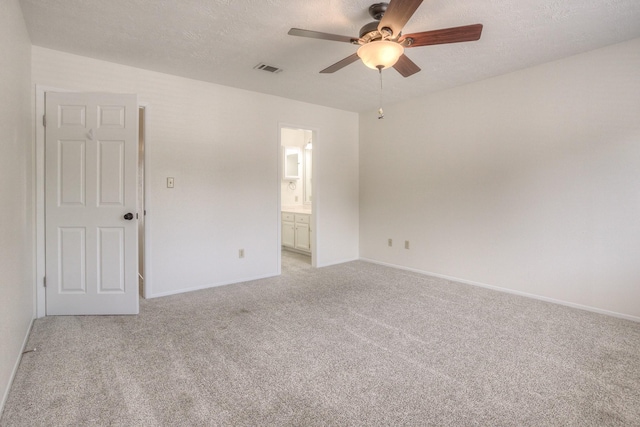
382 53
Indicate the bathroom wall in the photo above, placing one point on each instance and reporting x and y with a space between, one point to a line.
291 192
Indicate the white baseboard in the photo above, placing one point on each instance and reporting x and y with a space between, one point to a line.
211 285
15 366
342 261
509 291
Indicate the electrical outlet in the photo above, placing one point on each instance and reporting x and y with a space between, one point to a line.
241 253
390 242
406 244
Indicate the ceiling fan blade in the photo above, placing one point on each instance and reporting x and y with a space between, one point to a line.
341 64
321 36
466 33
405 66
397 15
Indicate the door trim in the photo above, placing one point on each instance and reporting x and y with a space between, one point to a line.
41 299
39 187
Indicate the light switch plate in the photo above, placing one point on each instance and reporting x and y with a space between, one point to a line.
170 182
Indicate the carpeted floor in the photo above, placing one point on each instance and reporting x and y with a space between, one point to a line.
352 344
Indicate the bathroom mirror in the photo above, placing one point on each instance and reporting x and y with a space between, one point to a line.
292 163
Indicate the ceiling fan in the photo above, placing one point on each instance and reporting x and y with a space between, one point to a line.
382 43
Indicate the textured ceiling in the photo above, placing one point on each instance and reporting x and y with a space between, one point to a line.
220 41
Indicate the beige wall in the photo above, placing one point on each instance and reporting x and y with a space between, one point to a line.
528 181
221 145
16 213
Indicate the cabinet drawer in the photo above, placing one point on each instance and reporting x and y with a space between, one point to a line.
302 219
286 216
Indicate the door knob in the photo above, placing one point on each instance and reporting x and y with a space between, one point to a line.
128 216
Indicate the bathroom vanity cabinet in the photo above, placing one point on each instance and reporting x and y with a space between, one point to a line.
296 231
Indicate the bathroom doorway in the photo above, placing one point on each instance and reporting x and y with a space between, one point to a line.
297 193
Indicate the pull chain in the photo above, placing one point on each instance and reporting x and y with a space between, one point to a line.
380 111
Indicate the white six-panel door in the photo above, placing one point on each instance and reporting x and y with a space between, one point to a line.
90 179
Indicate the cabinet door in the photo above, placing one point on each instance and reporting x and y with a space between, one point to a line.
303 242
288 234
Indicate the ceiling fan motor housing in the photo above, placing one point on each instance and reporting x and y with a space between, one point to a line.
370 31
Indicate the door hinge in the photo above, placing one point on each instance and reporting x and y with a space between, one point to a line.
44 281
44 121
136 215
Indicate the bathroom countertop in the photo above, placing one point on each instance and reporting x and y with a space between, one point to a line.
297 209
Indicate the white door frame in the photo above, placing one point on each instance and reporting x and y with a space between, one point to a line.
39 184
315 135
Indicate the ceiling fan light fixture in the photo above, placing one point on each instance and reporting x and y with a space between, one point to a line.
381 53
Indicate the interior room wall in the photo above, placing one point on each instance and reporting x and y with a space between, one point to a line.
526 182
221 145
16 206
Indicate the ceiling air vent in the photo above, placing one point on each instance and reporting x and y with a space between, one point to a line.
269 68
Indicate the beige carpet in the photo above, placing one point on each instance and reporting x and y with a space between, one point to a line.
353 344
